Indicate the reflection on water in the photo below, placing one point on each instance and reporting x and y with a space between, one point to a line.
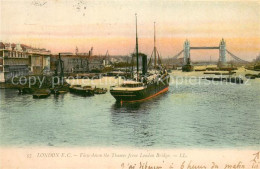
137 120
185 116
126 107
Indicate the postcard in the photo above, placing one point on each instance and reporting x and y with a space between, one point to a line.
129 84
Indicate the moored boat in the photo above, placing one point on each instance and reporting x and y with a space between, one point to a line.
220 73
145 86
60 89
134 91
82 90
236 80
100 90
41 93
188 67
25 90
251 76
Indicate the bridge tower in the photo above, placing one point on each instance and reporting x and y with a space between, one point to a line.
186 50
222 53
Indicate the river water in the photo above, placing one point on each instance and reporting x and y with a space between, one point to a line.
192 114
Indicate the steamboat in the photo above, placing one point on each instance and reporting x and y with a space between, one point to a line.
146 85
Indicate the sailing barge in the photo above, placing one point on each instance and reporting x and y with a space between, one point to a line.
144 86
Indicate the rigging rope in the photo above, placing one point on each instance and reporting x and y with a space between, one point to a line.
178 54
236 58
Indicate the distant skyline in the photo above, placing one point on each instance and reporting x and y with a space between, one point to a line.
61 25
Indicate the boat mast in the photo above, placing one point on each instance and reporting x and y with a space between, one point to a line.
137 59
154 49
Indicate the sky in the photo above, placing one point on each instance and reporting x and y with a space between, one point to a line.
61 25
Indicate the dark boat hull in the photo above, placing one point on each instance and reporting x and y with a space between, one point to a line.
150 91
41 94
236 80
83 92
100 91
187 68
25 90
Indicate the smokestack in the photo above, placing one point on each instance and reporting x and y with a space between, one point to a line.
144 62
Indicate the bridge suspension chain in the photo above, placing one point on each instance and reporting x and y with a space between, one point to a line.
236 58
178 54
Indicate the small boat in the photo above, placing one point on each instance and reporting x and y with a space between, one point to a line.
200 70
257 67
220 73
188 67
41 93
25 90
236 80
209 73
84 91
100 90
229 73
251 76
59 90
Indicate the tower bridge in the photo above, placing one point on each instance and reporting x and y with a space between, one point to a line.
222 52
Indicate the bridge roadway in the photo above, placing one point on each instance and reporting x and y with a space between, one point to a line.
205 47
